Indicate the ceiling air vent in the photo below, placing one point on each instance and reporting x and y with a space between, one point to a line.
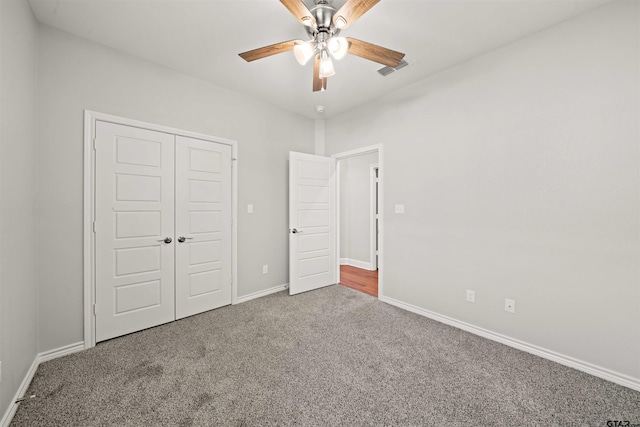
385 71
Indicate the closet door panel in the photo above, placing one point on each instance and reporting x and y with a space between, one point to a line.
203 226
134 214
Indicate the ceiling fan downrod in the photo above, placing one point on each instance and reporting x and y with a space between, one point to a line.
324 42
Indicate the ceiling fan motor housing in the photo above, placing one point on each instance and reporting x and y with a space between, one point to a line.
324 29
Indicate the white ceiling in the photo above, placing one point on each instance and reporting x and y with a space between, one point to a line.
202 38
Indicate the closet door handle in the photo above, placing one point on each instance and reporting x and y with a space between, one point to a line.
181 239
167 240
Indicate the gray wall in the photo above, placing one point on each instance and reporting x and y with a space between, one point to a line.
355 209
520 175
18 250
75 75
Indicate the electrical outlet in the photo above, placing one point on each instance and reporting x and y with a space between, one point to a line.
265 269
509 305
471 295
249 208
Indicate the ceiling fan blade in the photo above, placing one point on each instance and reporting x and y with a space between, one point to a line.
318 82
263 52
300 11
375 53
351 11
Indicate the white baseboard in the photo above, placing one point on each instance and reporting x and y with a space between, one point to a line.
597 371
356 263
59 352
262 293
40 358
11 410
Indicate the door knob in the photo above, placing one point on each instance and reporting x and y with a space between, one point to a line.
295 231
167 240
181 239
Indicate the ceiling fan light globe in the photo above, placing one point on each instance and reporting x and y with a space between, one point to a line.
303 52
338 46
326 68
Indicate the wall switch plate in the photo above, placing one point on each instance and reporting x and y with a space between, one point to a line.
265 269
509 305
399 209
249 208
471 295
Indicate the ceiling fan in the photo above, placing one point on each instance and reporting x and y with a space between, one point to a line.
323 24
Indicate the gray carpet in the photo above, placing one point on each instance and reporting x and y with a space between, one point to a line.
328 357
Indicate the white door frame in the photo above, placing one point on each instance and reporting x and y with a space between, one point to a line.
88 251
373 201
377 148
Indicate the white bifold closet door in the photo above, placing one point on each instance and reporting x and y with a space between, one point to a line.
163 228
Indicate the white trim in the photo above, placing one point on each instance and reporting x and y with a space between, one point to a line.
13 407
234 229
356 263
352 153
26 381
357 152
90 118
59 352
88 258
338 221
263 293
580 365
373 199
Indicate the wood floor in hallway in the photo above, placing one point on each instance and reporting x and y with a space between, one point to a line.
359 279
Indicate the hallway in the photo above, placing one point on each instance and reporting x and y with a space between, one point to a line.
359 279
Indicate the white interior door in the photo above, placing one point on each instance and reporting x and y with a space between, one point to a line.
134 214
203 226
312 222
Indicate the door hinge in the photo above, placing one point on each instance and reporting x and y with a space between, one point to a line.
233 160
94 144
94 227
376 252
377 216
94 310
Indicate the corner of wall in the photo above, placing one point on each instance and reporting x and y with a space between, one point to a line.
319 137
18 187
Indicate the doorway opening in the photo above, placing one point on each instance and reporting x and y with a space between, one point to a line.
365 281
359 188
